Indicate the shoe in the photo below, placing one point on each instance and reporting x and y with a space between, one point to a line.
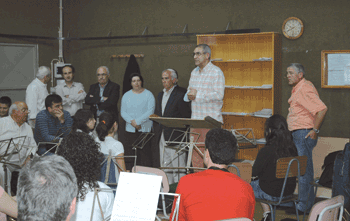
291 211
267 217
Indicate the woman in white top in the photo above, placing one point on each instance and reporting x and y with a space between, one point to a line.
84 155
106 129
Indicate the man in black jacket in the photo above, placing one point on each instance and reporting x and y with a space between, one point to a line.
104 95
170 104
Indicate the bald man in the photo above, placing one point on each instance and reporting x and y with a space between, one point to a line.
104 95
15 126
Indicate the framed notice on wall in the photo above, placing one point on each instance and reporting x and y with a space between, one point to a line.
335 69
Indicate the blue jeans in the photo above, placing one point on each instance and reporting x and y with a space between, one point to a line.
305 147
260 194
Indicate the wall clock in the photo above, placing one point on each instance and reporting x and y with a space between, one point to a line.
292 28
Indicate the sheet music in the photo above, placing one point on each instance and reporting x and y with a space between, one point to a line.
136 197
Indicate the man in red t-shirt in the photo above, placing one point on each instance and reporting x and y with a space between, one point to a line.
215 194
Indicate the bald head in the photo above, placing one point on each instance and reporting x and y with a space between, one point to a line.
19 112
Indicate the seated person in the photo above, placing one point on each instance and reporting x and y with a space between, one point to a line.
83 153
5 104
106 129
15 127
84 121
215 193
279 143
52 124
47 190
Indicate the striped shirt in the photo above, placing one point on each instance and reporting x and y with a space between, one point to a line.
49 128
210 86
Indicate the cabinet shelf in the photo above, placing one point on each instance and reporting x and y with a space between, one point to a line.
251 85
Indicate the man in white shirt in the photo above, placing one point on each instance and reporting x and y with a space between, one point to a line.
72 93
36 93
15 127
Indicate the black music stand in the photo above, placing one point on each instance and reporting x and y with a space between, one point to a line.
207 123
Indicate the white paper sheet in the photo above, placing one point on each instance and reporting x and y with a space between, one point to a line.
136 197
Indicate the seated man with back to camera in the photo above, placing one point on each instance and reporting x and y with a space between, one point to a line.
215 193
15 126
52 124
47 190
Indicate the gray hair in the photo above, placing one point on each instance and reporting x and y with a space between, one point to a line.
12 108
105 67
46 188
299 68
173 73
42 72
206 49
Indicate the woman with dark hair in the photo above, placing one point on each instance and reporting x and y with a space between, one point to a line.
106 129
84 155
137 105
84 121
279 144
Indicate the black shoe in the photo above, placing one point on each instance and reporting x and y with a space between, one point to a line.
291 211
267 217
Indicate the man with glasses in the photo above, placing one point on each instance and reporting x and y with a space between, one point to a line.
104 95
306 113
206 86
14 126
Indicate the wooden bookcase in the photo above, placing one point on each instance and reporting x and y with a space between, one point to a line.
250 84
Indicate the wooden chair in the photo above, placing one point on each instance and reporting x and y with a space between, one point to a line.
242 169
285 168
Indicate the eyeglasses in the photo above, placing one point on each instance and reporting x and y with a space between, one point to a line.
102 75
25 110
197 53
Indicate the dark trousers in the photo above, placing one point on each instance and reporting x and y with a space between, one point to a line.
144 155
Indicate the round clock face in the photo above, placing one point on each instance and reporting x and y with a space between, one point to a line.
292 28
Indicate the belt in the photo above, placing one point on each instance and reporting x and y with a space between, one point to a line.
301 129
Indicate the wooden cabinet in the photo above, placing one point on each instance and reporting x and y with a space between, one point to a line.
252 67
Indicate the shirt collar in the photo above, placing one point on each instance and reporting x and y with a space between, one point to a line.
298 85
205 67
104 86
171 90
40 82
65 84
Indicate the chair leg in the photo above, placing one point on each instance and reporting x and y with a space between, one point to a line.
296 210
273 212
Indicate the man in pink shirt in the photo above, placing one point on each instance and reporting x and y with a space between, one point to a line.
306 113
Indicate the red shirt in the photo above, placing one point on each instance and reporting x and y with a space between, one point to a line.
214 195
304 104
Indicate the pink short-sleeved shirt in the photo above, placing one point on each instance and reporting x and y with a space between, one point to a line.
304 104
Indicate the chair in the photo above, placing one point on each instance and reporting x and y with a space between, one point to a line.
242 169
108 170
327 210
285 168
165 183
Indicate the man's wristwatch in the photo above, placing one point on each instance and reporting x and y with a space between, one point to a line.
316 131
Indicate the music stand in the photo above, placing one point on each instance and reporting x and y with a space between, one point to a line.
52 145
13 147
207 123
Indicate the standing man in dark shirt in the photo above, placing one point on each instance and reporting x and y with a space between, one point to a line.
104 95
